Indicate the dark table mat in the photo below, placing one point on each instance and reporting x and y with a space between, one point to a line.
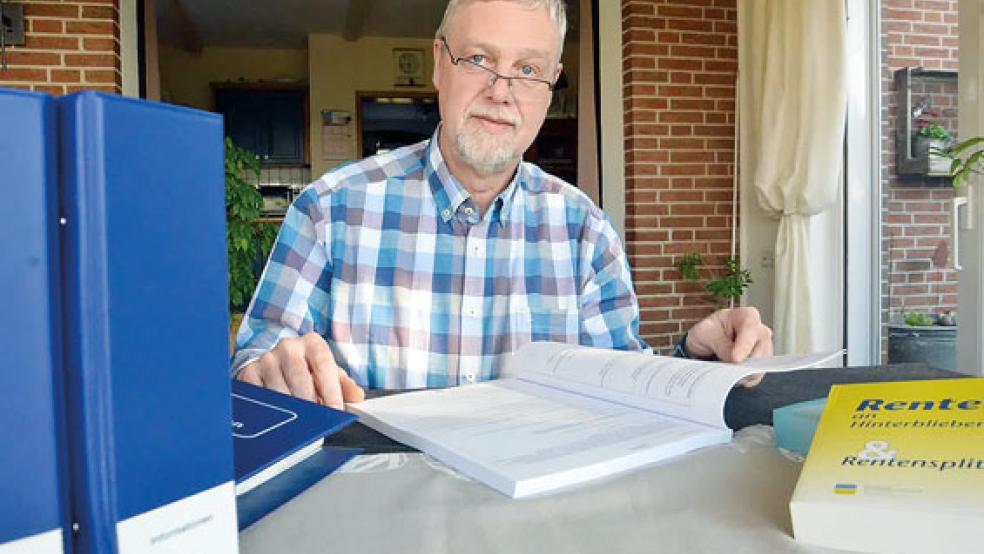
743 407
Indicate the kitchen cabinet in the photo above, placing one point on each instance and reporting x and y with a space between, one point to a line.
270 123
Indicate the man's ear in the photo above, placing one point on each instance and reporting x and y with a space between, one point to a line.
438 54
560 67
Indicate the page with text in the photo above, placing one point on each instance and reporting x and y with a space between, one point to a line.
522 438
689 389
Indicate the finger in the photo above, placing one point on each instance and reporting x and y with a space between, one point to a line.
268 367
351 391
294 368
750 381
763 347
746 324
249 374
325 371
711 336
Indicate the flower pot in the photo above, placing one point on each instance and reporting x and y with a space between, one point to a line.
921 147
935 346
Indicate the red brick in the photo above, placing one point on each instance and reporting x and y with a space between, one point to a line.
636 8
681 117
100 44
35 42
98 12
690 25
50 89
101 88
46 26
23 74
90 60
50 10
714 39
90 27
687 51
683 64
65 76
33 58
101 76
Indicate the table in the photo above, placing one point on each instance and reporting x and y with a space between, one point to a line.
728 498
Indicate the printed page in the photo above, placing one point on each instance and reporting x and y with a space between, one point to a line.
522 439
678 387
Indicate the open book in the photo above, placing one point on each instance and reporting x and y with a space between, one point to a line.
570 414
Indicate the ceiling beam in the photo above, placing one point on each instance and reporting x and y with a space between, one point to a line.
186 31
356 14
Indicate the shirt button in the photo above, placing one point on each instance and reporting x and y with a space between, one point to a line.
446 213
469 210
470 377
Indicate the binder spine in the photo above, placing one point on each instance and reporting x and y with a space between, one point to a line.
86 302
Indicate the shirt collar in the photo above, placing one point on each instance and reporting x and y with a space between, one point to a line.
449 194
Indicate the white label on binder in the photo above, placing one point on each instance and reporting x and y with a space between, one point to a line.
49 542
203 522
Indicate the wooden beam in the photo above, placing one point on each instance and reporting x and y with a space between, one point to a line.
356 14
187 33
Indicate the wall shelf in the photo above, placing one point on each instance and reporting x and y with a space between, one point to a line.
906 164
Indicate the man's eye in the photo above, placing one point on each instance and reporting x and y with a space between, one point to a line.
529 70
477 59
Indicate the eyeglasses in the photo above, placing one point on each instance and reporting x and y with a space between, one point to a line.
478 65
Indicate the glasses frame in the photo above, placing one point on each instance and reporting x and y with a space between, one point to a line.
493 74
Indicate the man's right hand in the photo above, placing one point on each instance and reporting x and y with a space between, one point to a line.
304 367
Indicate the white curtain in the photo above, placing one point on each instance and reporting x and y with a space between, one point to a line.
792 87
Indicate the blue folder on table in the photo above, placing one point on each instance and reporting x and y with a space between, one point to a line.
279 452
34 513
146 334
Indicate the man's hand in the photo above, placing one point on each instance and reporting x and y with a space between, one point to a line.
733 335
304 367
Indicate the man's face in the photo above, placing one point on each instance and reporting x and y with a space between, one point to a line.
488 127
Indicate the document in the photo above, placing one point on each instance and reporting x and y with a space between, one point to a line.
569 414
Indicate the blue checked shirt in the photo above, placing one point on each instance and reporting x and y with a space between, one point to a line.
390 261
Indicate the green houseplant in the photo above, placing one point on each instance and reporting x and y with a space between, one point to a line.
966 158
724 288
248 240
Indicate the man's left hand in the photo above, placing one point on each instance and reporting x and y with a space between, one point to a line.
732 335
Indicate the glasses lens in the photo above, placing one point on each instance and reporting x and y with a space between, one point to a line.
521 86
530 84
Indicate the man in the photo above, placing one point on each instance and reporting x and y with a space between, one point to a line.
425 266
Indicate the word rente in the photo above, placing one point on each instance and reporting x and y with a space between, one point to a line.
879 404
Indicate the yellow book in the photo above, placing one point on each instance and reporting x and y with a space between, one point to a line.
896 467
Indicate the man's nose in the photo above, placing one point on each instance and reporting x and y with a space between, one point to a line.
499 89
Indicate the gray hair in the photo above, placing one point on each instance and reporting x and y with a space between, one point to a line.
556 8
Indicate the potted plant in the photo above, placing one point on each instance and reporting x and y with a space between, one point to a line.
930 135
724 288
248 240
963 159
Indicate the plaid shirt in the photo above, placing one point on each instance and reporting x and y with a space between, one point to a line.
389 259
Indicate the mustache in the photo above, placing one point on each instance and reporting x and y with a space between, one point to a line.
500 115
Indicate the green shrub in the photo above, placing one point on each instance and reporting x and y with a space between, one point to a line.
248 240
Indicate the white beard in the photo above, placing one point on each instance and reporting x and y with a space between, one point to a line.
486 153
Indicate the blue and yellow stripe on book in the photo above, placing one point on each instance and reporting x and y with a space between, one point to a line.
845 488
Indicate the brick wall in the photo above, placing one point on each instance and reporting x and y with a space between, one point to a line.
917 248
680 60
70 46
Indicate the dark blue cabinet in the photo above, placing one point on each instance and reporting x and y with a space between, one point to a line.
268 122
